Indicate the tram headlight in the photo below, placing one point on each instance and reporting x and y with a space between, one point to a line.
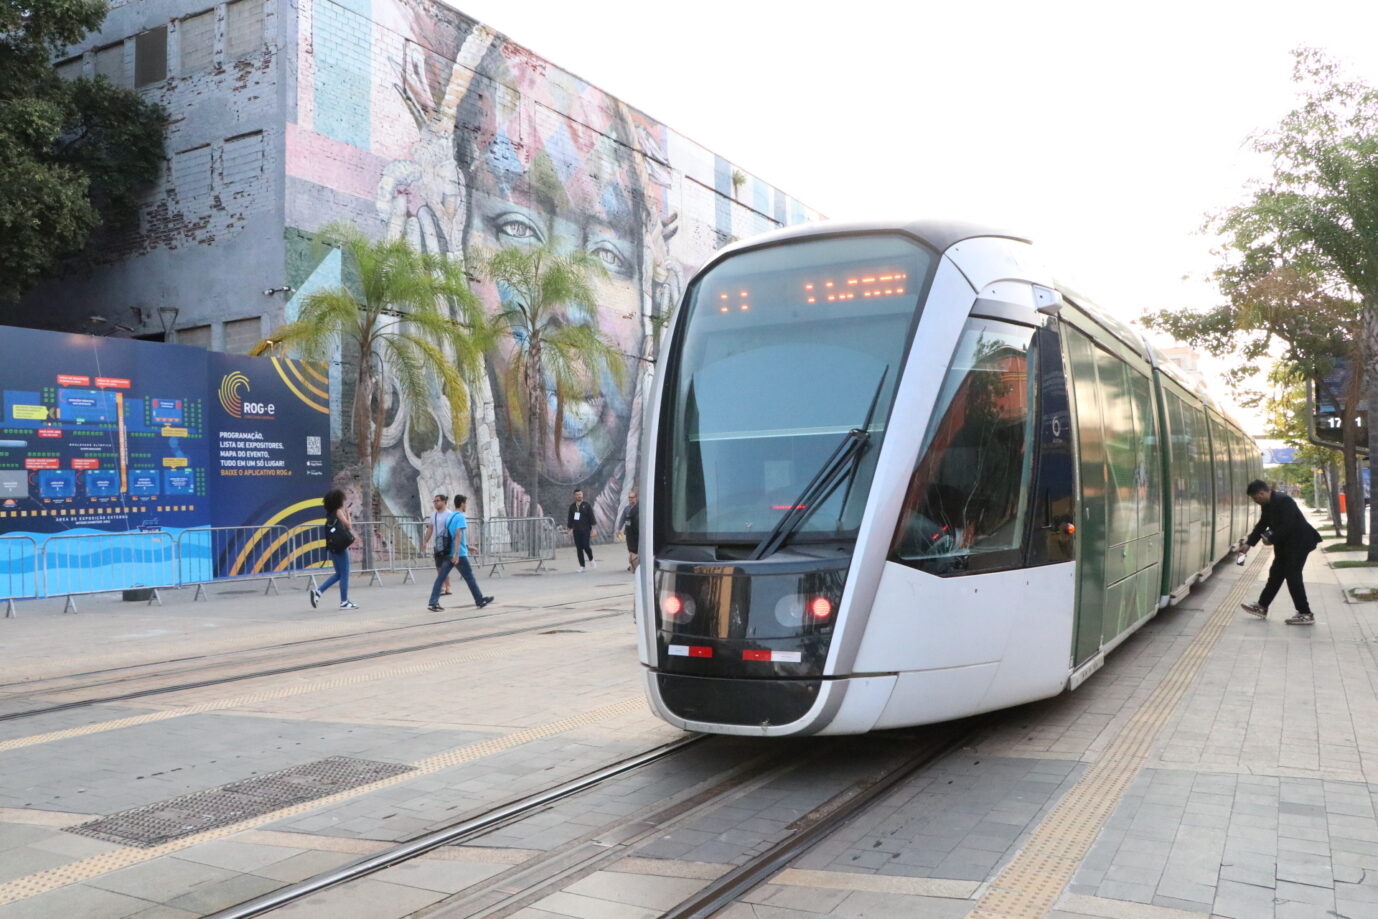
789 610
795 610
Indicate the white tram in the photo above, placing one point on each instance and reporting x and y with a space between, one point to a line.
896 474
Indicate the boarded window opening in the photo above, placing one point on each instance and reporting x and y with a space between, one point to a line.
150 57
198 42
243 28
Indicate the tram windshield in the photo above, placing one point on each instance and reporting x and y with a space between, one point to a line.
780 353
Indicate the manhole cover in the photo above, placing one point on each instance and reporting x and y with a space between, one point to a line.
154 824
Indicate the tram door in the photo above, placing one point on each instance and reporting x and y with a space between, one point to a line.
1092 526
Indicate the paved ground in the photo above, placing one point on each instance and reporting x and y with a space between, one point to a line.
1217 765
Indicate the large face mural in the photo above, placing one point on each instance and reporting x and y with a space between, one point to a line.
479 145
569 183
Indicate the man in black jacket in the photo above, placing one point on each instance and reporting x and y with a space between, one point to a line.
1282 525
580 525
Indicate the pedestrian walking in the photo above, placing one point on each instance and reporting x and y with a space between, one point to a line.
629 525
1282 526
580 525
438 534
338 538
457 557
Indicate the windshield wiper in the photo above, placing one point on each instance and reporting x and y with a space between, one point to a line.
845 458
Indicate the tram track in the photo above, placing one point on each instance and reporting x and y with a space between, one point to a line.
44 683
297 667
900 757
450 834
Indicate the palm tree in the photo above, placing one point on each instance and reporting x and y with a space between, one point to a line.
410 320
553 357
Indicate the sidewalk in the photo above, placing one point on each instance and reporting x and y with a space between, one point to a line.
1217 765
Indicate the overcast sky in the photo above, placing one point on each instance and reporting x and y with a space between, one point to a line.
1106 131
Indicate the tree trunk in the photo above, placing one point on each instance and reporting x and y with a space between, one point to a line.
1332 489
363 434
536 427
1369 366
1371 387
1353 481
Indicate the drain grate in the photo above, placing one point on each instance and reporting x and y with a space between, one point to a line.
154 824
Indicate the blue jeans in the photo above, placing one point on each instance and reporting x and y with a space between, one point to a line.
341 562
467 573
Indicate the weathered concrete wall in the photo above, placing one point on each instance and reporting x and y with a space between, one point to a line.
209 237
413 120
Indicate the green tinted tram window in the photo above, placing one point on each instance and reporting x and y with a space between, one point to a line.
1117 413
1149 457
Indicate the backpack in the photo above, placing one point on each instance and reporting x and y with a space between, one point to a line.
337 535
447 540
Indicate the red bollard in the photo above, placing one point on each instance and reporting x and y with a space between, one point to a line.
1342 503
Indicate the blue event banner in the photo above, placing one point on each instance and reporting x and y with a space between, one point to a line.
114 435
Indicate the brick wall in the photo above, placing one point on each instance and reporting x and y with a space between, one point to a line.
208 240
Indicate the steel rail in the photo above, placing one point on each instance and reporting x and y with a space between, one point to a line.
298 668
446 835
223 656
831 815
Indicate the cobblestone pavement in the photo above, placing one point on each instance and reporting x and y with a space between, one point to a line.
1254 792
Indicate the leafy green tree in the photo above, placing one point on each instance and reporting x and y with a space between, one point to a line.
73 155
1270 304
409 322
554 360
1319 211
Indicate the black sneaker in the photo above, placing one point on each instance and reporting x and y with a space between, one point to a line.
436 608
484 602
1253 609
1302 619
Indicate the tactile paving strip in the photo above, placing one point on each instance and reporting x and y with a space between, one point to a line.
1032 882
164 821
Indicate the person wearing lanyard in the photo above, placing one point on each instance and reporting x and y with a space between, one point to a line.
437 531
458 557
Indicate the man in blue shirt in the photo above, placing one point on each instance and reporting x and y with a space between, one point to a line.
457 528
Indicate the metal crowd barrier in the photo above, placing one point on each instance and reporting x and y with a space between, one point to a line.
92 563
19 570
76 564
517 539
213 554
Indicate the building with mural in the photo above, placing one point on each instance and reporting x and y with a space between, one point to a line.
408 119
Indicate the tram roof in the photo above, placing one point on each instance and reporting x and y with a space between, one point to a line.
940 234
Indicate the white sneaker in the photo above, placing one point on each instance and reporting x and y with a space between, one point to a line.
581 569
592 563
347 605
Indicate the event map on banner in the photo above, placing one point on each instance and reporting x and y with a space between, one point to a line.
115 435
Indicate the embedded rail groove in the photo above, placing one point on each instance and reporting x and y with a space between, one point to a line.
446 835
41 683
298 668
822 821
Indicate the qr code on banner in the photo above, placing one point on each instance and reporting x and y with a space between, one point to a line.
313 446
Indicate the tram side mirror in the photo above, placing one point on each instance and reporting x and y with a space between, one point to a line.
1047 301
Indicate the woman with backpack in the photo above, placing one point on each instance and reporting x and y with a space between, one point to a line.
338 538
